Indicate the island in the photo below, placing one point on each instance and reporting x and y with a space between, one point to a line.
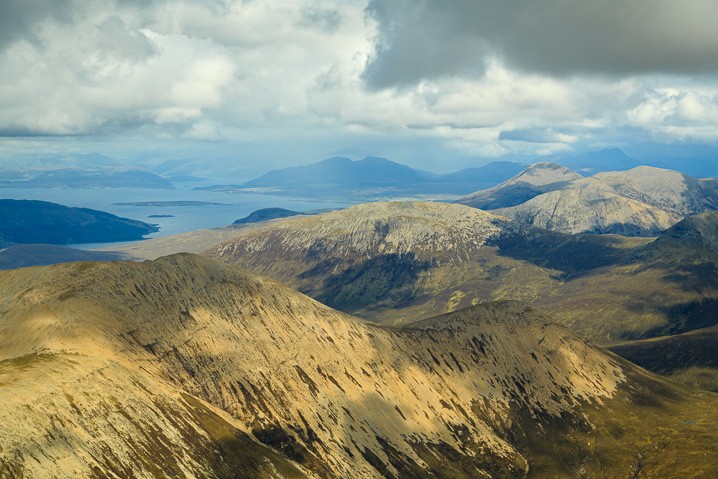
32 222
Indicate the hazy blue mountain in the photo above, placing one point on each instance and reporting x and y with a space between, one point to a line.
374 177
591 162
338 171
73 178
266 214
696 167
481 177
40 162
28 222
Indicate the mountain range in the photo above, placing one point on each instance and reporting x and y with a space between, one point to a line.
642 201
372 177
84 178
379 178
183 367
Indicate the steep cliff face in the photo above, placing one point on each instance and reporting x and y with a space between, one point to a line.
180 365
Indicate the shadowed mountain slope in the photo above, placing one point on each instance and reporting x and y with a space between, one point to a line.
689 358
174 367
668 286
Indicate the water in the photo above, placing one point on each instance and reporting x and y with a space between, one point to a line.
185 218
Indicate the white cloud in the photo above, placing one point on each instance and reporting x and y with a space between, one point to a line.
266 71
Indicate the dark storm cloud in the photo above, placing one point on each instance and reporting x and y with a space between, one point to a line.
429 38
18 17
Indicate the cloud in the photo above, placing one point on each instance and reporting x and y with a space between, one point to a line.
18 18
537 135
678 114
466 77
427 39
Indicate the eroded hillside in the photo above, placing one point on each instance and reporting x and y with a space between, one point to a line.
196 348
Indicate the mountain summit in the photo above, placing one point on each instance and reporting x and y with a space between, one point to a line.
643 201
534 180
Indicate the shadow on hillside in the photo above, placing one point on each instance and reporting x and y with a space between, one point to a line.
385 277
570 254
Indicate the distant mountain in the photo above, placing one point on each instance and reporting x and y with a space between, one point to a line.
29 222
696 167
24 255
72 178
266 214
43 162
587 206
372 178
666 189
185 367
340 172
471 179
642 201
534 180
592 162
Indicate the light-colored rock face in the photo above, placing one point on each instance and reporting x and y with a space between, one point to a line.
545 173
641 201
591 207
426 230
666 189
343 398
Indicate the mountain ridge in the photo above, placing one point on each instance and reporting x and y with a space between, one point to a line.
448 398
642 201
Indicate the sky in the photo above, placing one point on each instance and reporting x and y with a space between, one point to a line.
429 83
